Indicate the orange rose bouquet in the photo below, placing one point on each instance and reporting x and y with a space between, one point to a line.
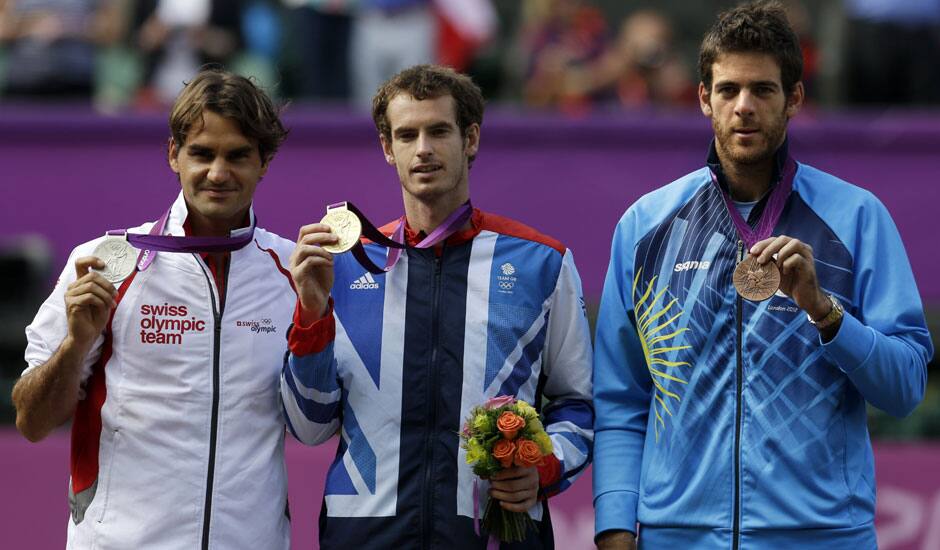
502 433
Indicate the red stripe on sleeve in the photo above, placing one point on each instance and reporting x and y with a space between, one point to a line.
313 338
277 263
86 424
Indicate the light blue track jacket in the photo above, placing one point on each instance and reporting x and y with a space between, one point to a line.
725 423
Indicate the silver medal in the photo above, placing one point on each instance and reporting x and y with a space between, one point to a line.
119 257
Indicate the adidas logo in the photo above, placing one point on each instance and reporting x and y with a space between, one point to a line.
364 282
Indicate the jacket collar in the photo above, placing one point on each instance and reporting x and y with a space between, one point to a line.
413 237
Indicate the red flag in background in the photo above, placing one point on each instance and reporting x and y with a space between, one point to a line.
463 26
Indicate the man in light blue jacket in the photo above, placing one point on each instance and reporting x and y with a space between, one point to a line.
751 310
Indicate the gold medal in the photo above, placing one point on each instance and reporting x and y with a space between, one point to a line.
345 225
756 282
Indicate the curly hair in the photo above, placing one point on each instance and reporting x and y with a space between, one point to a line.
759 27
231 96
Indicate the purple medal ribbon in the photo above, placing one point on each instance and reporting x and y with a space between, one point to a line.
771 214
156 241
492 542
396 243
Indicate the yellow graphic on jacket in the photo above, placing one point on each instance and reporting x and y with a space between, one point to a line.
652 330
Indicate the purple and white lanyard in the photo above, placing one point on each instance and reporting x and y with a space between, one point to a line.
397 243
772 211
156 241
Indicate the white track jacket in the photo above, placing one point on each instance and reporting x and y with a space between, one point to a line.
178 440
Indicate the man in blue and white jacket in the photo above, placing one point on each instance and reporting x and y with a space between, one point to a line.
396 366
729 423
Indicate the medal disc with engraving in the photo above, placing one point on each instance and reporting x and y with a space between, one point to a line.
756 282
346 226
119 258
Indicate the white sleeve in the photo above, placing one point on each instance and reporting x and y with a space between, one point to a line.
569 414
569 354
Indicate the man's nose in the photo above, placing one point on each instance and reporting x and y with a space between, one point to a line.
744 104
423 145
219 171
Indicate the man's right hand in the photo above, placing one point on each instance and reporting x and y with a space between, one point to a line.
88 302
616 540
311 267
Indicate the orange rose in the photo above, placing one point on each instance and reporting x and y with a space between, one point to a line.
503 451
527 453
509 424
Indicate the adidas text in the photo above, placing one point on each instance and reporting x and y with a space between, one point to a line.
365 282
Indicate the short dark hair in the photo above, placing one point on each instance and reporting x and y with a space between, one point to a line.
760 27
231 96
430 82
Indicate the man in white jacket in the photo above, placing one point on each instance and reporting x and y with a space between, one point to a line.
169 370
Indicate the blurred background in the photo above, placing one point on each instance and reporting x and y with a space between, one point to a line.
591 104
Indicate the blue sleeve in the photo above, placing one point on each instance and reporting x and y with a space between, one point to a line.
310 390
622 393
883 345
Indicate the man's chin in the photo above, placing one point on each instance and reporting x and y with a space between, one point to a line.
749 156
217 210
427 190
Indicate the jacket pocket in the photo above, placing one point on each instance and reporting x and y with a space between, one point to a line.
106 478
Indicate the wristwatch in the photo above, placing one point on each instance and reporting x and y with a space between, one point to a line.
831 318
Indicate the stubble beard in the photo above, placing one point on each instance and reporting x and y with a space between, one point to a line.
747 157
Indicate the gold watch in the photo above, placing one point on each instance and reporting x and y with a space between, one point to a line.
831 318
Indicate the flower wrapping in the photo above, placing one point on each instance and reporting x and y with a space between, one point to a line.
502 433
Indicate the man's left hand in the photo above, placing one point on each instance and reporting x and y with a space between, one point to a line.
516 488
797 272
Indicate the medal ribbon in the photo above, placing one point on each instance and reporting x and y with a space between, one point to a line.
772 211
492 543
156 241
396 243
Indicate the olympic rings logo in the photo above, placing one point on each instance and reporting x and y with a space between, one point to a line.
506 285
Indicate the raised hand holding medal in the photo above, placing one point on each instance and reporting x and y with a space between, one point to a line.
798 278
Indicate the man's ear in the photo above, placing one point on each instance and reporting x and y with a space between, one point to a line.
472 140
172 155
795 100
264 168
704 99
387 150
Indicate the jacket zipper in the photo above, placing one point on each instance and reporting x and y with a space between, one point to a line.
426 510
214 426
739 392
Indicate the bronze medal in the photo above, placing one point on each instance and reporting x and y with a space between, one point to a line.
345 225
756 282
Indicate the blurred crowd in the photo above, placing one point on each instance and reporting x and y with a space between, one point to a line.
569 55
